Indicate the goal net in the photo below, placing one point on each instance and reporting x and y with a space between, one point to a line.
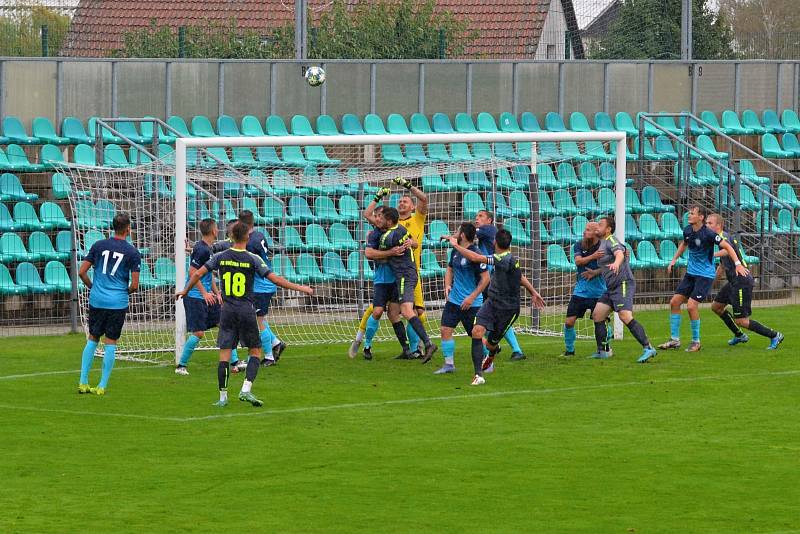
308 195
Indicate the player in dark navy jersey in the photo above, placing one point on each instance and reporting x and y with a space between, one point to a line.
737 292
237 271
384 283
486 230
700 274
264 292
464 283
116 275
499 311
396 236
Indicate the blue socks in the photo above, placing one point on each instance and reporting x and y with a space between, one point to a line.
234 356
675 325
448 350
695 330
188 349
372 329
511 338
109 355
413 338
569 338
86 360
266 340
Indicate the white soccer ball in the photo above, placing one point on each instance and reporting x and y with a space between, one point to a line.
315 76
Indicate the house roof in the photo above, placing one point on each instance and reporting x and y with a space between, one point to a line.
601 24
506 28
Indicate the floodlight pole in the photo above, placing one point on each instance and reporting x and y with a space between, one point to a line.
686 30
300 30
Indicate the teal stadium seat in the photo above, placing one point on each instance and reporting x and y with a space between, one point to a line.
751 121
276 126
790 144
44 130
441 124
648 227
486 123
790 121
603 122
72 129
624 123
15 132
472 204
419 124
554 123
396 124
227 127
28 276
787 194
251 126
731 125
84 155
557 260
772 123
508 123
25 215
351 125
52 217
128 131
464 124
149 130
57 277
301 126
7 222
201 127
668 123
327 126
308 268
478 181
12 249
11 189
578 122
771 148
695 128
19 160
333 266
341 238
651 199
359 266
373 124
529 122
416 154
317 240
430 267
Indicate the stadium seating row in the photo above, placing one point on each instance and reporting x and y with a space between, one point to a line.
73 131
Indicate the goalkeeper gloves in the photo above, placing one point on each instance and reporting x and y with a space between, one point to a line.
382 192
403 182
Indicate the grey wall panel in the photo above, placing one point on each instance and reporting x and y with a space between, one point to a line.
758 85
397 89
538 88
627 87
247 89
445 88
195 90
583 88
293 95
715 87
492 87
30 90
347 88
141 89
86 89
672 88
787 82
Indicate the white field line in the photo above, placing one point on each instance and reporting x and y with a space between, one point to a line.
417 400
77 371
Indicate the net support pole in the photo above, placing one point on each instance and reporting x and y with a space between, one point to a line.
180 242
619 211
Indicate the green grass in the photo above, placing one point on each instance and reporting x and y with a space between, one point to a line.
690 443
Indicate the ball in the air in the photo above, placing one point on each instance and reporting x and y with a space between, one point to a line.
315 76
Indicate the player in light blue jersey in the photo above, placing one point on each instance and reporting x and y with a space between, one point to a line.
486 231
700 274
116 274
385 295
263 290
589 286
464 284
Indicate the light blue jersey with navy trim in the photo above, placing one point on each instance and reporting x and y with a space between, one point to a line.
257 244
590 289
383 273
701 245
113 261
201 253
466 277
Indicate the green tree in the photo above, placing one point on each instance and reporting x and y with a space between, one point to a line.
21 30
651 29
386 29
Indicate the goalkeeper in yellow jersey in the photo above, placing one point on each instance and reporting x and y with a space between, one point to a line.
413 210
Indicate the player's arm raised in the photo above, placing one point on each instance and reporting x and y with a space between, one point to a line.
678 254
470 255
369 212
536 298
422 198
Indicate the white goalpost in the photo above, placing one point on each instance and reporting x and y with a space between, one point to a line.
308 194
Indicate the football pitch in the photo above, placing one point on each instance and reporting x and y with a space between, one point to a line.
706 442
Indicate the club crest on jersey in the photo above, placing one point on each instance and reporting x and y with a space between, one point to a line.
463 261
483 265
697 241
